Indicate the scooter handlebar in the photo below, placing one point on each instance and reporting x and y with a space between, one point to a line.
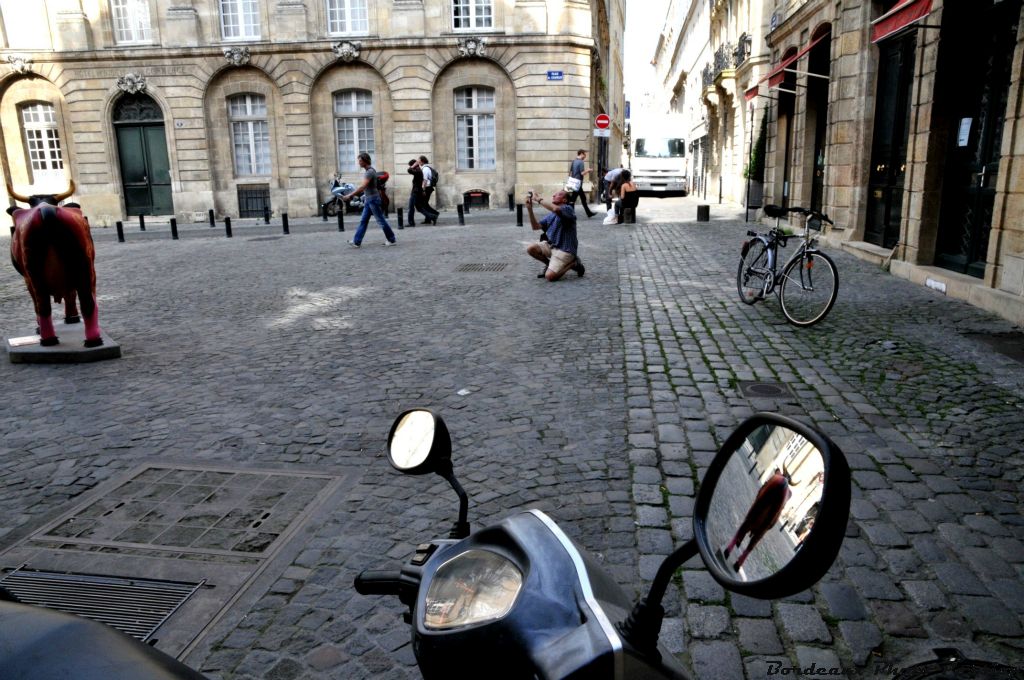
372 582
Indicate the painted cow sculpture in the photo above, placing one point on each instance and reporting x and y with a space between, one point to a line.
52 248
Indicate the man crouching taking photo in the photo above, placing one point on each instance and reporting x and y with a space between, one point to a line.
559 251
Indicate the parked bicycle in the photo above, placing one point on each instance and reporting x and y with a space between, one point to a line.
809 281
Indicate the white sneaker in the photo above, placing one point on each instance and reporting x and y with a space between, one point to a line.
390 243
353 245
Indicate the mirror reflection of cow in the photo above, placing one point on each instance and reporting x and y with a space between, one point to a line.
52 248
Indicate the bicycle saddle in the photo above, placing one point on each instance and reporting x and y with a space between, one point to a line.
772 210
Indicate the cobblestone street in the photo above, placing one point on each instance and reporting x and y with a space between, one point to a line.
599 400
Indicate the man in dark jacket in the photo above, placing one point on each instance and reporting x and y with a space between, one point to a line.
418 199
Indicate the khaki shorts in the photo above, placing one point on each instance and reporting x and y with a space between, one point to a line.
559 261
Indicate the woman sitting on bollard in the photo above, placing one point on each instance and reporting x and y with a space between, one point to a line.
624 195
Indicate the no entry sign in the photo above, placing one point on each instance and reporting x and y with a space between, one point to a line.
602 121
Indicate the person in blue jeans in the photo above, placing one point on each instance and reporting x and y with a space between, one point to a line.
371 204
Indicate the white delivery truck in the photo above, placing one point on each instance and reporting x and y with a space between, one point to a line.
658 159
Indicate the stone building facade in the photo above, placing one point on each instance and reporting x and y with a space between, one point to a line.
901 119
173 107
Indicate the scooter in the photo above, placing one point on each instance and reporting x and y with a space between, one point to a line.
520 599
339 189
355 204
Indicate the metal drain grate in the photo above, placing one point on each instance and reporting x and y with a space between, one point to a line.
482 267
755 389
264 238
134 606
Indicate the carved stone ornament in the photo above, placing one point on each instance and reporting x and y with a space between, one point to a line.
132 83
472 47
347 50
237 56
19 62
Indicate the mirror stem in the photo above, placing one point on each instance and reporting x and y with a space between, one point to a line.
461 528
643 625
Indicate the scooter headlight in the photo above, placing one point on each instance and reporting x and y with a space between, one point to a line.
473 587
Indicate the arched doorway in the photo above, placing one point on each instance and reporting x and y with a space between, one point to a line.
818 66
142 154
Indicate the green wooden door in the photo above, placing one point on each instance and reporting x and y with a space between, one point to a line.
145 169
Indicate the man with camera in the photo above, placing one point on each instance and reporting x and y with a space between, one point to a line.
560 250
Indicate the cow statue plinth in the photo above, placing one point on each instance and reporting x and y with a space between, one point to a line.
52 248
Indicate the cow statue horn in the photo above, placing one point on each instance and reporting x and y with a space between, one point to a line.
71 190
17 197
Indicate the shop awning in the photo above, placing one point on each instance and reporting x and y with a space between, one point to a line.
778 74
905 13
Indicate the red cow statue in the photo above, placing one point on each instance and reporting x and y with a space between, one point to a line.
52 248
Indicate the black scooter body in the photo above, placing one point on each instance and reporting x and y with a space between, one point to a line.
43 644
560 626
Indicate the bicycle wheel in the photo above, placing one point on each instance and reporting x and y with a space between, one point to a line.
810 284
753 272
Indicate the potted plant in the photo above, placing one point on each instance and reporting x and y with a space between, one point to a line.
755 167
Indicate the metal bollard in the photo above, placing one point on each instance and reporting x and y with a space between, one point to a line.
466 207
519 215
120 232
266 214
401 224
213 222
462 214
323 210
511 202
174 228
703 213
227 226
341 220
142 223
630 217
284 223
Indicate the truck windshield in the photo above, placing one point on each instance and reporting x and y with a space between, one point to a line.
660 147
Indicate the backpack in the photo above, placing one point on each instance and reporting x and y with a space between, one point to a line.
435 176
382 179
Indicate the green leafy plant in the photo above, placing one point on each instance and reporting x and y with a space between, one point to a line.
755 168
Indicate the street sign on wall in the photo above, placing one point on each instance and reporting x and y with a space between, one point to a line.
556 75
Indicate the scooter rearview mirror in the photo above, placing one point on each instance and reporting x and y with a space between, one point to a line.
772 509
419 443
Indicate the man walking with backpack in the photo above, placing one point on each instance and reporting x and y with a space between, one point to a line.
371 204
430 180
417 199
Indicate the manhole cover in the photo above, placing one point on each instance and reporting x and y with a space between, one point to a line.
136 606
191 511
482 267
764 390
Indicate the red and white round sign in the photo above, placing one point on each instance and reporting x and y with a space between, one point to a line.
602 121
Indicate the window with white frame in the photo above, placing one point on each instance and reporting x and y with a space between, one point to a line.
42 141
250 134
131 21
347 17
474 128
353 123
472 14
239 19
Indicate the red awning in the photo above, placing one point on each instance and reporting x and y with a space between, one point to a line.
778 74
905 13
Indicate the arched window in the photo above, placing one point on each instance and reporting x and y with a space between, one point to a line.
250 134
42 140
347 17
353 124
474 128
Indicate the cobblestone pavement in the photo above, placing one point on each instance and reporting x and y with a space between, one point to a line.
599 400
